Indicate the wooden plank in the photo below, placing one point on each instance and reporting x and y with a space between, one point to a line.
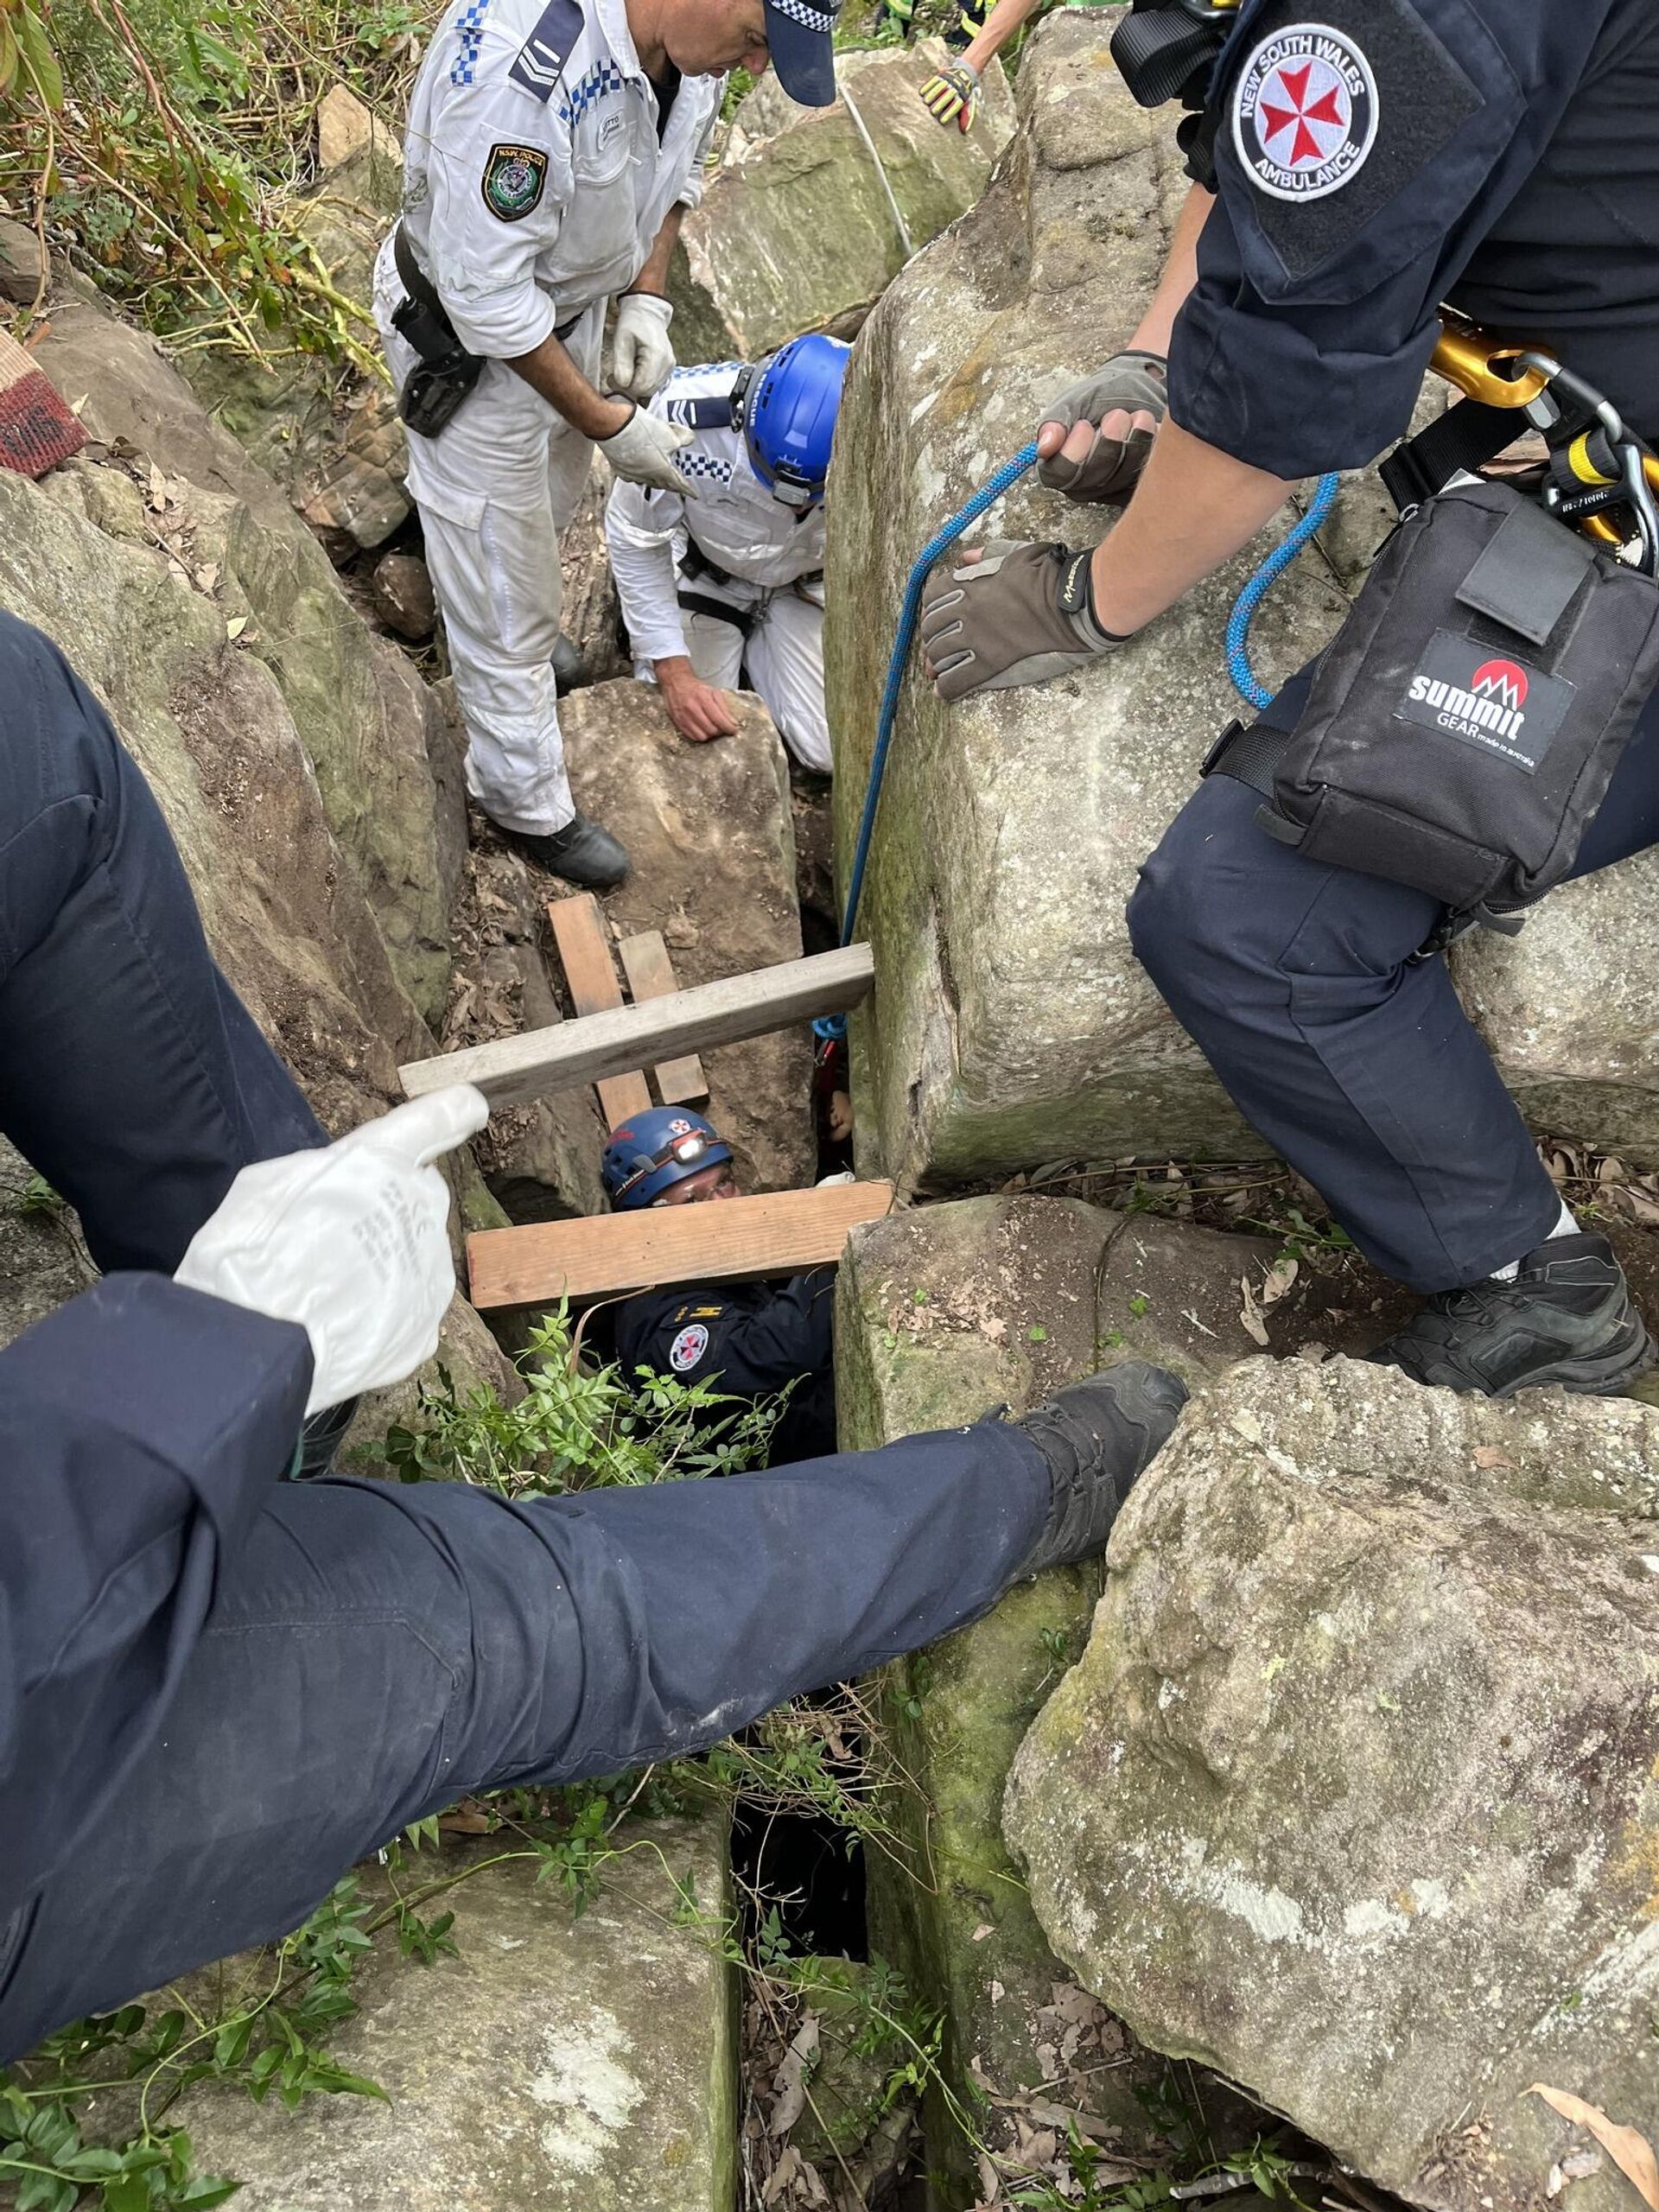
585 954
569 1053
776 1235
651 975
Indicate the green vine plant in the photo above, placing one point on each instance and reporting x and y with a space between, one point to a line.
160 144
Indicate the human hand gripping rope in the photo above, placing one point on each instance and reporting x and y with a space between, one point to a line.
1237 639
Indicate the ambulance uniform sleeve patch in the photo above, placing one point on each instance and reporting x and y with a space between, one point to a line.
688 1348
514 179
1346 116
542 57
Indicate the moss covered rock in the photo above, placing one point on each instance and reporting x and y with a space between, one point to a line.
795 231
571 2064
942 1312
1355 1792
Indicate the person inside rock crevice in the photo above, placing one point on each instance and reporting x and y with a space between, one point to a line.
752 1341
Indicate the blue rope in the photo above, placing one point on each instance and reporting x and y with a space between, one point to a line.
1244 607
988 495
1238 657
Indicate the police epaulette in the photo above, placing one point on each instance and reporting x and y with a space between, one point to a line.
542 57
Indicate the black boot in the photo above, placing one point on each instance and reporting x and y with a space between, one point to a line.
321 1439
582 853
569 669
1567 1317
1096 1436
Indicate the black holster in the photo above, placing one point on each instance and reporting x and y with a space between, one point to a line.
446 373
1465 722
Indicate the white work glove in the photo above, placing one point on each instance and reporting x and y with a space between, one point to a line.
351 1240
642 353
642 452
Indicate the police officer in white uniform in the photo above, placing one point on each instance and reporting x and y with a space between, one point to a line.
721 580
551 152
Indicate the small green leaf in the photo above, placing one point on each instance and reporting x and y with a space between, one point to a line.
1037 1334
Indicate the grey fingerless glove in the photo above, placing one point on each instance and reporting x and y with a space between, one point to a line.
1138 383
1021 614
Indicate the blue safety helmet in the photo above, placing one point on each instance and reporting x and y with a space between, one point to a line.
787 408
649 1152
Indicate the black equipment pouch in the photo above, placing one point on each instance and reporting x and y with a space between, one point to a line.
1465 722
446 371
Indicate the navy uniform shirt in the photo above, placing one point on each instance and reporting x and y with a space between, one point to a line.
750 1340
1375 158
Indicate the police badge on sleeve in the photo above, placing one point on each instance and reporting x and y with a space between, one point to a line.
1304 111
513 180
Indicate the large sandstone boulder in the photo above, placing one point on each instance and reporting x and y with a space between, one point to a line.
1012 1025
573 2064
1355 1792
795 231
161 477
710 834
209 722
942 1312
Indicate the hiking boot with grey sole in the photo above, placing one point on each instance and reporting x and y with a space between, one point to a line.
1097 1435
1567 1317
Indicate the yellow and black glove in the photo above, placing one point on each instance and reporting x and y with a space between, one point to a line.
953 95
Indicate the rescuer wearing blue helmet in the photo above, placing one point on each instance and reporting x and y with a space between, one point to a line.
723 585
752 1340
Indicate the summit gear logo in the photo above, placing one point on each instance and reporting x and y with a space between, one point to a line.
1497 705
1304 111
1501 680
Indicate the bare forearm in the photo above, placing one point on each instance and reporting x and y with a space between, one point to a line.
654 277
1005 19
1193 509
1180 274
550 371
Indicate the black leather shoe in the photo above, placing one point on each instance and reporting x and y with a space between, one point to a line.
1096 1436
1567 1317
569 669
582 853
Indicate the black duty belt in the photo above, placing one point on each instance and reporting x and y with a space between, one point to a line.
446 371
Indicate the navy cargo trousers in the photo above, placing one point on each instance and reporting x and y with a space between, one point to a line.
372 1651
1356 1061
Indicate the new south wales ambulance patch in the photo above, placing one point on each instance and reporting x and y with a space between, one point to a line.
513 178
688 1348
1305 112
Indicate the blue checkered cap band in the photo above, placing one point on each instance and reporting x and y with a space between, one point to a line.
803 11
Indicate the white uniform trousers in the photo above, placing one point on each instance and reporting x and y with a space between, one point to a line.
784 653
494 490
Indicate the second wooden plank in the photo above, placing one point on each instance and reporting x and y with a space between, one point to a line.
651 975
585 953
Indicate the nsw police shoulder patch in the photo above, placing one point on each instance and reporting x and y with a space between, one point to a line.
1304 111
514 177
688 1348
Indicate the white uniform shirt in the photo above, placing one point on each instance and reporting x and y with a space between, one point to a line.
534 184
735 521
